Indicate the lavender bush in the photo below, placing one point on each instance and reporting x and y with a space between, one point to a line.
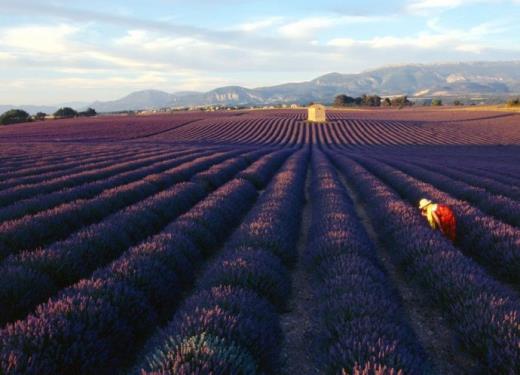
91 189
359 320
251 326
30 232
495 244
484 314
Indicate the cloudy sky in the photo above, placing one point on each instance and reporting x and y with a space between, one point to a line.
58 51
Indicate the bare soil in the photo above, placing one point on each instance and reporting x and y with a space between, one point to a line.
296 322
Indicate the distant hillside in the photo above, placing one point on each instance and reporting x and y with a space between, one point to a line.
136 100
476 79
457 79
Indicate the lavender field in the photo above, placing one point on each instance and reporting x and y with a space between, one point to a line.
255 242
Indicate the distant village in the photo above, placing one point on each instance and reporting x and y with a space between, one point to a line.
214 108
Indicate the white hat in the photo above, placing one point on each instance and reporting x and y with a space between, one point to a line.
423 203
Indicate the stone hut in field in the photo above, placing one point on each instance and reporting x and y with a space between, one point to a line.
316 113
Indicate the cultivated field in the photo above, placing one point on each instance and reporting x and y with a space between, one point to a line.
253 242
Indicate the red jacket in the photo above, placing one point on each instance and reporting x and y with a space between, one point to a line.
447 221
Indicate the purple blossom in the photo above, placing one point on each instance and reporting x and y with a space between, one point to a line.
484 313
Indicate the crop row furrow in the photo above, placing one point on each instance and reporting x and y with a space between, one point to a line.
230 325
11 157
81 166
508 184
503 208
483 313
361 326
16 193
494 244
123 302
50 159
91 189
32 276
479 180
261 172
43 166
56 223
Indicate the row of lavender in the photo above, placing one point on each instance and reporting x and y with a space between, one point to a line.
109 129
361 327
110 313
48 185
484 313
479 178
504 208
31 276
345 129
56 223
88 190
230 324
83 163
495 244
25 159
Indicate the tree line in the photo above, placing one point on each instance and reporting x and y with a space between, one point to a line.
377 101
371 101
17 116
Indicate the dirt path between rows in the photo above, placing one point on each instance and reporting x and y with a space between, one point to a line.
297 323
432 330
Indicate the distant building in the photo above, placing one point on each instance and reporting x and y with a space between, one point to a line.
317 113
294 106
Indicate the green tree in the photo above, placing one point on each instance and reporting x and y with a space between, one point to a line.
343 101
386 102
401 101
457 103
436 102
371 100
14 116
65 112
40 116
89 112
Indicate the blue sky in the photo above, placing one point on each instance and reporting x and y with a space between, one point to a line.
58 51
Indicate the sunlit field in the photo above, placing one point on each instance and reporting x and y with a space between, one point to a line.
245 242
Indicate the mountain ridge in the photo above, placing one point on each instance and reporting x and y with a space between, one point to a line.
460 79
500 78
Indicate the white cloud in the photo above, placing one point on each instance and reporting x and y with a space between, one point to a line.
258 25
471 48
343 42
4 56
471 40
425 5
122 62
152 41
429 6
307 27
39 39
419 41
144 80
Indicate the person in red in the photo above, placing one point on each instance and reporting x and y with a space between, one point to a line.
440 217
